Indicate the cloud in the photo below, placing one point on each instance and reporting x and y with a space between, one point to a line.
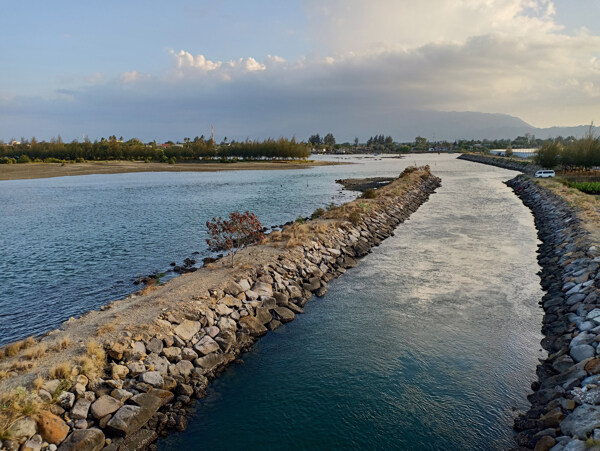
374 63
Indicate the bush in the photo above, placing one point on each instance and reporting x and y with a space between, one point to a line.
300 220
240 230
79 160
317 213
586 187
7 160
355 217
331 206
172 160
369 194
24 159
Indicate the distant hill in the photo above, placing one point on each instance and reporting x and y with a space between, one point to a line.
470 125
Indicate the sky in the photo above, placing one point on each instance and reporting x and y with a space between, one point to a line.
269 68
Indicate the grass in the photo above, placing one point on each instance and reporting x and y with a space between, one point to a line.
93 362
35 352
61 371
14 405
586 187
105 328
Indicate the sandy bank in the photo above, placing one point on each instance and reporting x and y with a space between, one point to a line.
46 170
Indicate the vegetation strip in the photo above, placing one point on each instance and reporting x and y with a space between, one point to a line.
124 393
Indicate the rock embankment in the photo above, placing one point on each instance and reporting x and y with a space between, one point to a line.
565 412
524 166
152 375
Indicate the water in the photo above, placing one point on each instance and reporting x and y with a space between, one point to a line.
429 343
72 244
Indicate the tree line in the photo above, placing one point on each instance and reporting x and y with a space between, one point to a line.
570 154
116 149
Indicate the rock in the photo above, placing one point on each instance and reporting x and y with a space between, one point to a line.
83 440
562 363
210 361
139 350
583 420
585 396
119 371
582 339
66 400
154 345
80 409
80 424
226 340
153 378
280 299
121 395
232 302
284 314
545 443
116 350
173 354
206 346
187 329
136 368
52 428
262 289
129 418
274 324
184 367
252 326
582 352
263 316
33 444
157 363
244 284
188 354
552 419
105 405
212 331
593 366
233 288
251 295
227 324
44 395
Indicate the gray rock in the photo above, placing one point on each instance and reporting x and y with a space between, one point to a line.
154 345
233 288
212 331
583 420
33 444
128 419
582 352
284 314
562 363
173 353
184 367
187 329
262 289
105 405
585 396
158 363
152 378
210 361
66 400
223 310
576 445
252 326
139 350
25 427
582 339
226 340
87 439
136 368
80 409
593 314
188 354
586 325
263 316
206 346
244 284
230 301
120 394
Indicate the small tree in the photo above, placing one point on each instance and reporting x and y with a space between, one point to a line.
508 152
240 230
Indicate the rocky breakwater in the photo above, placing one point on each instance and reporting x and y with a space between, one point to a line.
525 166
154 372
565 411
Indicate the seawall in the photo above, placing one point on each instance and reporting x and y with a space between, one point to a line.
565 403
153 372
524 166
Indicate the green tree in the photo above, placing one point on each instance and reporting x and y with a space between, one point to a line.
547 156
329 140
420 143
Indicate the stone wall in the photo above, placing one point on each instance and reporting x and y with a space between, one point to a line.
565 411
152 377
502 162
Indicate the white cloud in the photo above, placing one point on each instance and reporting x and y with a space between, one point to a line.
187 60
132 76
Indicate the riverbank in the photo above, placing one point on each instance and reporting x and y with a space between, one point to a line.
164 345
521 165
46 170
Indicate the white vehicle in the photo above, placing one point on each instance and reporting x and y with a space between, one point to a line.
545 173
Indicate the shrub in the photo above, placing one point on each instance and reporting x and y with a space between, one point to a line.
172 160
331 206
586 187
240 230
317 213
300 220
355 217
369 194
79 160
24 159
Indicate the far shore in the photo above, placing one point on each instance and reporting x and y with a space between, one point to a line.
47 170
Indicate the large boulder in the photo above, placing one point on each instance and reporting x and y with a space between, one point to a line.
262 289
210 361
187 329
23 428
80 409
253 326
105 405
583 420
83 440
153 378
206 346
284 314
51 427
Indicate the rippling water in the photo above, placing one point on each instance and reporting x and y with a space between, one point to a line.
430 342
72 244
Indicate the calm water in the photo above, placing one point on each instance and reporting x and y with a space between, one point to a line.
72 244
429 343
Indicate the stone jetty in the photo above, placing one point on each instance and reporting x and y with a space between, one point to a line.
565 411
152 375
521 165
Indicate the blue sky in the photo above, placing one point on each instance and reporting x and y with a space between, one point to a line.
268 68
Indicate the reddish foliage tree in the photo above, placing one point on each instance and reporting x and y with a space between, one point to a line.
240 230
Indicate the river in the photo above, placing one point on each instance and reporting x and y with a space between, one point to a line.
431 342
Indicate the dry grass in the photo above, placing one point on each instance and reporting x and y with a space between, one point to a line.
105 328
3 375
63 344
17 404
38 382
587 204
93 362
35 352
19 366
61 371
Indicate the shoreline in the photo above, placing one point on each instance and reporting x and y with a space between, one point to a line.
165 344
49 170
